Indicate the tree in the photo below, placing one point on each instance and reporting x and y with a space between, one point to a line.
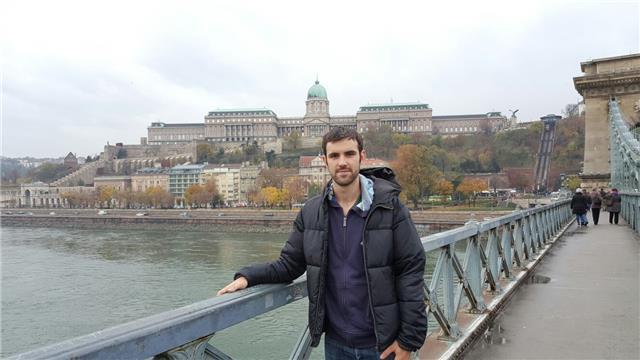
416 173
520 178
204 153
573 182
444 187
158 197
106 194
270 156
193 195
571 110
49 172
470 188
212 193
270 195
292 140
295 190
272 177
379 141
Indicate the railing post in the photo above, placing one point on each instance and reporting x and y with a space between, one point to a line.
473 271
518 244
493 260
448 293
506 250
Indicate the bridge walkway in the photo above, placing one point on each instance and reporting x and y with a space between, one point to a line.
582 303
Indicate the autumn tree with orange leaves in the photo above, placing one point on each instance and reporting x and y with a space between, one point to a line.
415 171
469 188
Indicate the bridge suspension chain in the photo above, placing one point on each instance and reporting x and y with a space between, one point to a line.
624 152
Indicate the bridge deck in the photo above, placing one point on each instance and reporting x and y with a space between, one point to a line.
589 309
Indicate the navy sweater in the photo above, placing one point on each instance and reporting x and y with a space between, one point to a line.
349 319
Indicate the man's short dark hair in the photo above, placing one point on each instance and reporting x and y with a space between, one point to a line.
340 133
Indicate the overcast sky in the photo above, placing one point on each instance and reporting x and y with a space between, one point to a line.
76 74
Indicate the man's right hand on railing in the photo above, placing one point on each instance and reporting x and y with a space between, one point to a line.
237 284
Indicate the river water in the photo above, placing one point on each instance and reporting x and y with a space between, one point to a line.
62 283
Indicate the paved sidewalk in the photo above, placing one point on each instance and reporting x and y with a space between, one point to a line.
582 303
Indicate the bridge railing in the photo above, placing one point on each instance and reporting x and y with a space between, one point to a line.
625 165
624 151
494 250
630 209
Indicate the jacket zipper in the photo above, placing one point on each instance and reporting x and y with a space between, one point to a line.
344 244
366 272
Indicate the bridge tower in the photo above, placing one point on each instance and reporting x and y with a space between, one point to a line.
545 149
614 77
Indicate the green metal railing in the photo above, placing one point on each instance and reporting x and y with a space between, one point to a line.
625 165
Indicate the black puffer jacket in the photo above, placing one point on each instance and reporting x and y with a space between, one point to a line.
393 255
579 204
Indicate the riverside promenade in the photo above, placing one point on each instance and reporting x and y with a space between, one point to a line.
582 303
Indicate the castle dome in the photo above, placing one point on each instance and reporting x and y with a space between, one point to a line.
317 91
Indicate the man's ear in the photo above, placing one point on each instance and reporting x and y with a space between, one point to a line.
324 159
363 155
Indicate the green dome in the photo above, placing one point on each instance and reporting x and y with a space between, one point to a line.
317 91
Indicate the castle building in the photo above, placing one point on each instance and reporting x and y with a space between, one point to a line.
236 126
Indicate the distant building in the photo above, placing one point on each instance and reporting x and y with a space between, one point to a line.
236 126
160 133
183 176
452 125
145 178
71 161
227 179
248 176
118 182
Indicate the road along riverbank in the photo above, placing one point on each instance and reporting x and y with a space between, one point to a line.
225 220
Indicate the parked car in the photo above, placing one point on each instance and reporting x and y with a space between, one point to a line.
142 214
52 213
102 212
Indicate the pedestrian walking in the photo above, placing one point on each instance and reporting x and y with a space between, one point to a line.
596 204
614 205
579 206
363 258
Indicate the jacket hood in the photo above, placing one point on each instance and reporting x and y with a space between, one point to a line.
385 185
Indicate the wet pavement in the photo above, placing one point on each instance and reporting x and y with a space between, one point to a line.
583 302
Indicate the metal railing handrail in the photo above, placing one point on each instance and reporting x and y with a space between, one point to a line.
511 240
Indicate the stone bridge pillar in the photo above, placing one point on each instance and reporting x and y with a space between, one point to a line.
617 77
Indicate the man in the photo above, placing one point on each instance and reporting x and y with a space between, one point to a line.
580 205
614 205
596 204
363 258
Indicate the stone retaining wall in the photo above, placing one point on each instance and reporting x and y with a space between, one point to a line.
276 226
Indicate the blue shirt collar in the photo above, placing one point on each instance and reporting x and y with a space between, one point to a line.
366 193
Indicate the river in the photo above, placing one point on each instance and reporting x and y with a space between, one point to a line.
62 283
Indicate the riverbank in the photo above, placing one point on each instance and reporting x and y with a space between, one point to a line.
225 220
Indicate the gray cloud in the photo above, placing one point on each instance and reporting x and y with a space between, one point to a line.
94 79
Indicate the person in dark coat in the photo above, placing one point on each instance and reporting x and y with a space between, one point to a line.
614 206
579 206
596 204
363 258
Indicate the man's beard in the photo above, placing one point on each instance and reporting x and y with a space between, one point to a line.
344 181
